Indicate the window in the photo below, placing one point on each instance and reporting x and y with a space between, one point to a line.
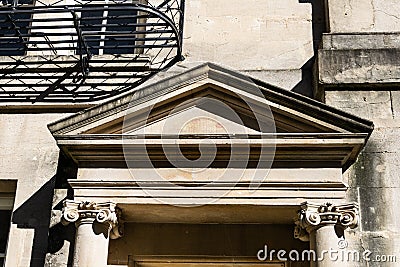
6 204
7 193
5 219
13 29
111 29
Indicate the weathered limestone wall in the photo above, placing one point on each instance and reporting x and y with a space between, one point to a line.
269 39
358 72
374 178
364 15
29 154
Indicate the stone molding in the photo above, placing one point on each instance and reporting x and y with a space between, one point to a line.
360 60
102 212
313 216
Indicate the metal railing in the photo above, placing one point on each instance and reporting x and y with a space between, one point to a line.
85 51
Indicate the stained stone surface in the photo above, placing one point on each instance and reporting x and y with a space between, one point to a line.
364 15
373 179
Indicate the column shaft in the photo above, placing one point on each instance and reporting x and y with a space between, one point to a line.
324 242
91 243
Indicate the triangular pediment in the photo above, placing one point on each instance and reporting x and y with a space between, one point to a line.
214 101
292 113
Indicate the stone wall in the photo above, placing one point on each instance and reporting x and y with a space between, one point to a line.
364 15
29 154
358 72
374 179
269 39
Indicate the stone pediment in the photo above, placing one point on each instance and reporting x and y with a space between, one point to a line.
195 107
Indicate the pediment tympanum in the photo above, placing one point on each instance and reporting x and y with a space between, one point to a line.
304 144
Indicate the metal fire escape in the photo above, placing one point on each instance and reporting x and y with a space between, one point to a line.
84 51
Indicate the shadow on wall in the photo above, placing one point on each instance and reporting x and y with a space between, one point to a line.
319 26
35 213
319 20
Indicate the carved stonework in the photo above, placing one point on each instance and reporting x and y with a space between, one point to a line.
105 213
312 216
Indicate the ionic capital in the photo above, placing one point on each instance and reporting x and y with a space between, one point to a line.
312 216
103 212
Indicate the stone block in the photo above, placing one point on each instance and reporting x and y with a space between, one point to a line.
351 16
377 206
376 169
286 79
384 141
366 104
358 66
364 16
378 243
265 35
386 15
348 41
28 152
359 59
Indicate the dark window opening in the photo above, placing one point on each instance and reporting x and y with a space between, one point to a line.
91 23
109 31
121 22
13 29
5 219
114 30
